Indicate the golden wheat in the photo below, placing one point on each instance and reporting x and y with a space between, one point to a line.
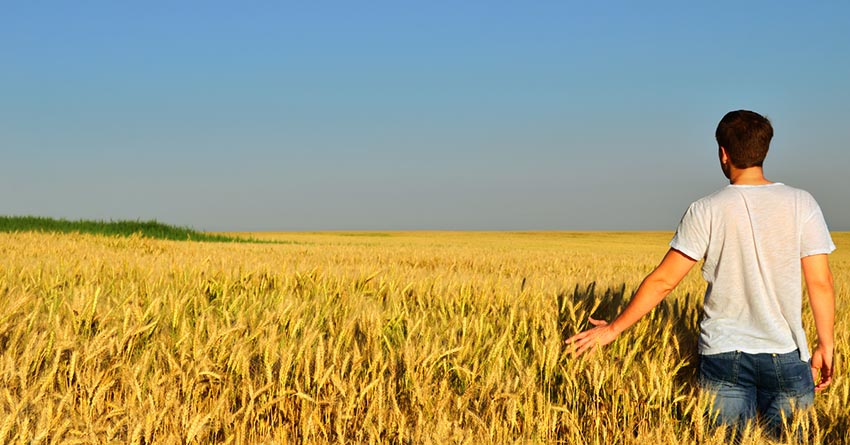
408 338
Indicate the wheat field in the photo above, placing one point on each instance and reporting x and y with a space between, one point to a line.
390 338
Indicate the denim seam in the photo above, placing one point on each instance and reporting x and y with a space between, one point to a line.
736 367
777 371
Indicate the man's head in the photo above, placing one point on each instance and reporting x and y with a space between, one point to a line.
745 135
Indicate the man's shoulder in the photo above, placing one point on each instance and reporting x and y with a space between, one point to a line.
733 192
797 194
707 200
798 191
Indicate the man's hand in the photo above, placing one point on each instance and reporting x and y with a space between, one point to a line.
600 335
822 298
651 291
822 368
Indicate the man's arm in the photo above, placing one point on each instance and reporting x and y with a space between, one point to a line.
822 298
652 290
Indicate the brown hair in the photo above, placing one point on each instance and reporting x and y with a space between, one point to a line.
746 137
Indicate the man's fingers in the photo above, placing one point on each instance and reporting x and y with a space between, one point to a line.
584 334
596 322
584 347
581 343
581 350
576 337
588 339
823 384
826 376
822 377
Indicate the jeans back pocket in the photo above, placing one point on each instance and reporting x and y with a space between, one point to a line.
719 368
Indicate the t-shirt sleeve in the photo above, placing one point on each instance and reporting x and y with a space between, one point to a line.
815 238
692 235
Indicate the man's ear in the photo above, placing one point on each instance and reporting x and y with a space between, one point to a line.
724 157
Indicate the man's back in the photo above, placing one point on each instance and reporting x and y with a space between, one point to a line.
756 238
752 238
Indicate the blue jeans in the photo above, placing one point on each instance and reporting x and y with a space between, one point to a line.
745 386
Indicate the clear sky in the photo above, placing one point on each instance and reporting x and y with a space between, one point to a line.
397 115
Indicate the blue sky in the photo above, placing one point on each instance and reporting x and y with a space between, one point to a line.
411 115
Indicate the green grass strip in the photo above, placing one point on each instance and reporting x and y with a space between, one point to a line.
148 229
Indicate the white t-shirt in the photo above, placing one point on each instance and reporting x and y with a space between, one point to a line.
752 239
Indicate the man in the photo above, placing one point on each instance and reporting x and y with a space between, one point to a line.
755 237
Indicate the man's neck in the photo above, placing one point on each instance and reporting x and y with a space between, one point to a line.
748 176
